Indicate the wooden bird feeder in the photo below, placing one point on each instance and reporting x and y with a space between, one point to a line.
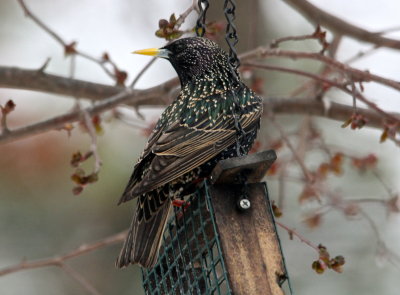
216 245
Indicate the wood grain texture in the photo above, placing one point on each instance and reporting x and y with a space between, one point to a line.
249 240
253 167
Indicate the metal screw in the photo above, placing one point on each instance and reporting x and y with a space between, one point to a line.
244 204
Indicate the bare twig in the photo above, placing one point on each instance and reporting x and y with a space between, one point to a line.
178 24
383 183
3 122
361 54
299 161
107 104
391 256
79 278
357 75
291 71
341 86
185 14
98 61
142 71
56 261
276 42
41 24
367 200
119 114
37 80
318 35
334 45
276 105
293 232
323 72
281 188
337 25
4 112
44 66
73 51
93 146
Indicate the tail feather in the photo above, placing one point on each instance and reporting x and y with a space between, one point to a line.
144 238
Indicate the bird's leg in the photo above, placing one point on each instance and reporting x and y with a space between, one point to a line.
180 203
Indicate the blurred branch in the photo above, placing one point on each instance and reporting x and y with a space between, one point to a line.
69 49
309 106
155 94
307 175
356 74
342 86
59 260
316 77
112 96
93 146
37 80
178 24
79 278
107 104
41 24
11 77
5 111
338 25
292 233
185 14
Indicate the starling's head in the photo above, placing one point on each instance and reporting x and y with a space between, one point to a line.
192 57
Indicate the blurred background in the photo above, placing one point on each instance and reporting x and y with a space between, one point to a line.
39 215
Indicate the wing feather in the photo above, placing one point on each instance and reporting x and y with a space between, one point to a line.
174 158
176 148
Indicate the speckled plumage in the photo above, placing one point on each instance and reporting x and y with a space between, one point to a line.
195 132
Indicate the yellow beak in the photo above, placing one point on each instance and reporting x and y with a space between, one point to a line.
154 52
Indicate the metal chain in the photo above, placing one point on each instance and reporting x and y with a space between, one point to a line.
232 39
234 62
231 36
201 21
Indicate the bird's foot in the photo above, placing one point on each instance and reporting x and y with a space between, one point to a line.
180 203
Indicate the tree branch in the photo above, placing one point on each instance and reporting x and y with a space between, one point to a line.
37 80
310 106
11 77
79 278
342 86
278 105
292 233
59 260
41 24
134 97
356 74
335 24
307 175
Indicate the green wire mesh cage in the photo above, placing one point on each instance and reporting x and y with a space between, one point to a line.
190 260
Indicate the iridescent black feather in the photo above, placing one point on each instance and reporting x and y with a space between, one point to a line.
195 132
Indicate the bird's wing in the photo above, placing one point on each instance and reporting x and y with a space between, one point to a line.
141 165
181 148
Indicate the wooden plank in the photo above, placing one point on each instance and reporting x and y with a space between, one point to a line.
254 167
249 240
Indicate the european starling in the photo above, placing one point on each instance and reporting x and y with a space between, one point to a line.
194 132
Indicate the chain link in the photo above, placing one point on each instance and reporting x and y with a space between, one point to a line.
201 21
232 39
231 36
